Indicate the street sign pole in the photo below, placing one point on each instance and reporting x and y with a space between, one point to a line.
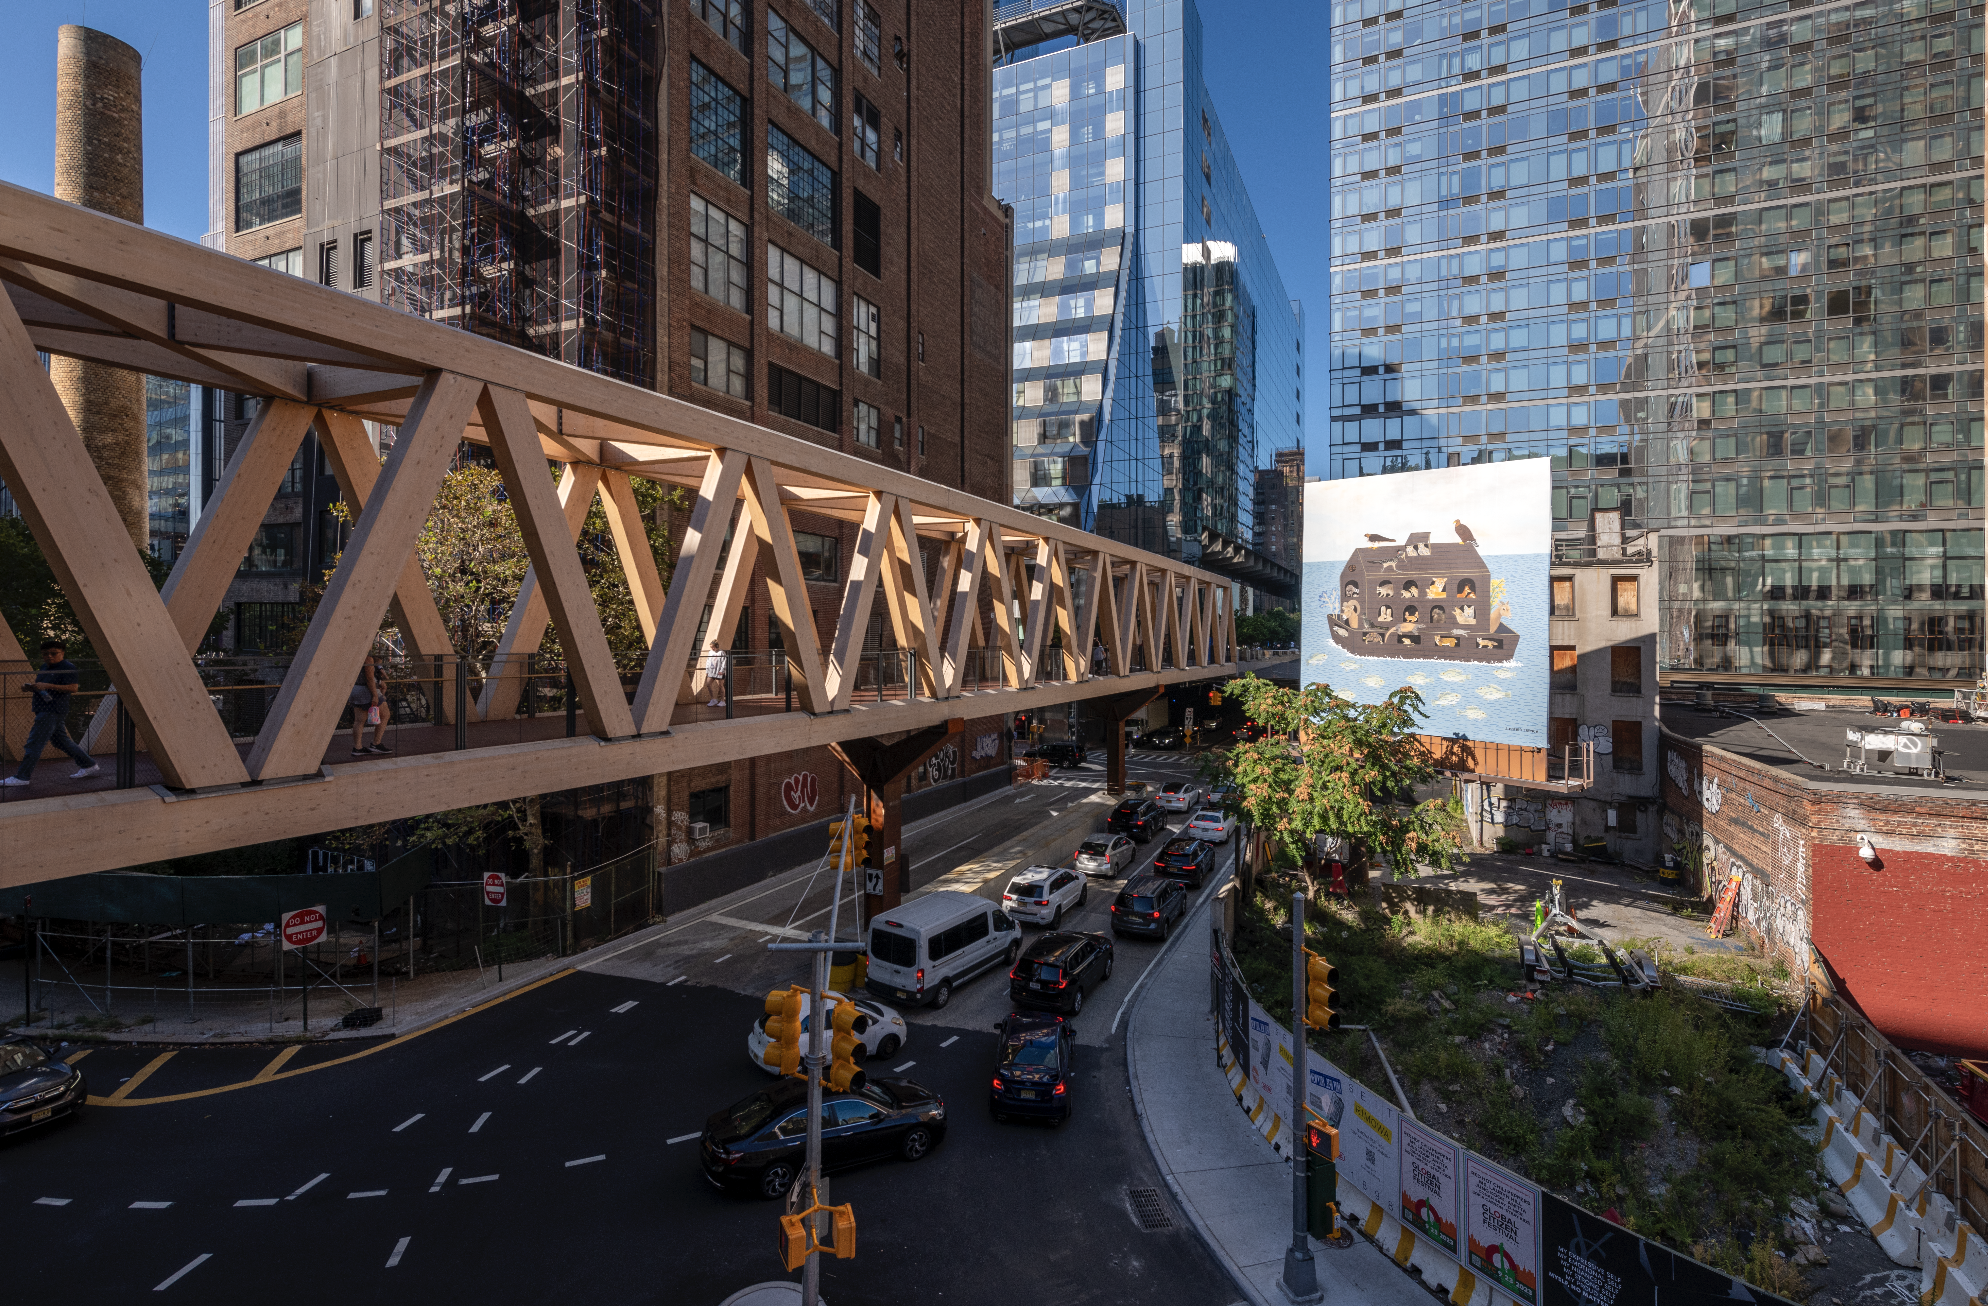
1300 1273
811 1272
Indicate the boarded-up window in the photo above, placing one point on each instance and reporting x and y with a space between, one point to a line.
1566 662
1627 740
1563 596
1625 669
1626 597
1561 732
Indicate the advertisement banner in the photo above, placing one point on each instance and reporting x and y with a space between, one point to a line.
1369 1127
1501 1227
1589 1261
1429 1185
1435 580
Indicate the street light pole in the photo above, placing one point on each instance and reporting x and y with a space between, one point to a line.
1300 1280
811 1272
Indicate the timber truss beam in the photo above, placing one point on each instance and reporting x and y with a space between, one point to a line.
961 579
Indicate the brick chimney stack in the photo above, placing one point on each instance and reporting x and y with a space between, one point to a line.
100 164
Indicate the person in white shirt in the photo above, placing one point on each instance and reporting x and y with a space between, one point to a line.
715 664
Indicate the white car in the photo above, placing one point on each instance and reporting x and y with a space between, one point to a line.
1041 894
1210 824
1106 855
1179 796
880 1030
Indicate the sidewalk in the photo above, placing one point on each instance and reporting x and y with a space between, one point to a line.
1222 1172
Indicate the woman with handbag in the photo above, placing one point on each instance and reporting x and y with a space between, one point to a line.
369 708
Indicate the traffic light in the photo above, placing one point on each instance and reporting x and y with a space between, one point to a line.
798 1242
783 1031
842 1070
859 845
1321 978
1214 698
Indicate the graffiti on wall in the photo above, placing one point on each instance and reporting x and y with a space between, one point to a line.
939 767
1707 789
1527 813
986 746
800 792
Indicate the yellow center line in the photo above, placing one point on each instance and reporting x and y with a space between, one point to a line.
269 1074
124 1090
74 1057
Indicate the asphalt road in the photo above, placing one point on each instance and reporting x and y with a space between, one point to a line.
544 1147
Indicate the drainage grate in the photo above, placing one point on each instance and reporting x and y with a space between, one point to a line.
1149 1210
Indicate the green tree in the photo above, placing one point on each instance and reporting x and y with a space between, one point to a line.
32 601
1312 762
1276 626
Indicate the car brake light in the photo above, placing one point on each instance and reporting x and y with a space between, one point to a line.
1060 983
921 977
1059 1090
997 1084
1156 915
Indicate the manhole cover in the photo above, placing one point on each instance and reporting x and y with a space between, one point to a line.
1149 1210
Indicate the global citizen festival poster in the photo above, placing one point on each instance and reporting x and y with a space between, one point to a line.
1501 1225
1429 1185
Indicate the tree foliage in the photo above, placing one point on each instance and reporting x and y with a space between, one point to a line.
1276 626
1311 762
31 599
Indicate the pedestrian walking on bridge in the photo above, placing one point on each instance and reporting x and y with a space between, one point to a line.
51 690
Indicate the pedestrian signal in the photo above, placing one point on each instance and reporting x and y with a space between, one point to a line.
1321 978
794 1247
783 1031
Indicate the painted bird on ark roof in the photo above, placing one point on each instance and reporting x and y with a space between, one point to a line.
1380 539
1463 534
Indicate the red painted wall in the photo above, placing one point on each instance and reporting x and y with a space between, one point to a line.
1908 942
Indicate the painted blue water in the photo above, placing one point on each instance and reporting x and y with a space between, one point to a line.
1496 702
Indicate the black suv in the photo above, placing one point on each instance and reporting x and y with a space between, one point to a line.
1186 859
1069 755
1141 818
1059 969
1149 905
1032 1077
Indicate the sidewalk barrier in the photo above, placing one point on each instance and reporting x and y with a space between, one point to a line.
1968 1262
1840 1151
1812 1070
1438 1270
1398 1241
1868 1128
1891 1222
1936 1244
1471 1290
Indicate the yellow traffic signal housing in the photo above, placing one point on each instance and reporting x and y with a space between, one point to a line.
844 1231
1321 978
859 843
842 1069
783 1031
794 1247
835 847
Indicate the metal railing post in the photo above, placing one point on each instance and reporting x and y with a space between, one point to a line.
572 716
728 689
462 705
787 677
127 748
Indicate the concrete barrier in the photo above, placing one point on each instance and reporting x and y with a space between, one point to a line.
1968 1261
1898 1230
1867 1127
1469 1290
1949 1286
1438 1270
1398 1241
1813 1069
1936 1243
1841 1153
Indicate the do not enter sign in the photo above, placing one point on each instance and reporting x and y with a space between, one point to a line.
303 927
494 889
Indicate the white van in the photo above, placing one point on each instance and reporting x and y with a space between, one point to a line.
919 951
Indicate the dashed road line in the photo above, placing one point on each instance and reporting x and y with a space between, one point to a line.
898 1070
626 1006
370 1192
493 1074
726 957
479 1122
562 1038
529 1073
577 1038
586 1160
258 1201
949 1042
678 980
398 1248
148 1206
52 1201
479 1179
183 1271
307 1187
764 939
410 1120
681 1138
441 1179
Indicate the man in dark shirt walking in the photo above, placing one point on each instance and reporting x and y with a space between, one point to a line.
51 690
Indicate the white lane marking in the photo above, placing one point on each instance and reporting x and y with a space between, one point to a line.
529 1073
440 1179
258 1201
148 1206
1199 903
563 1037
949 1042
762 940
493 1074
411 1119
52 1201
183 1271
307 1187
586 1160
785 931
681 1138
398 1248
726 957
678 980
479 1179
578 1038
898 1070
370 1192
479 1122
626 1006
943 851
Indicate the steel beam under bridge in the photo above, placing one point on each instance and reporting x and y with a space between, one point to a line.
85 285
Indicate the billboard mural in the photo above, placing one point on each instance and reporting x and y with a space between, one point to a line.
1436 580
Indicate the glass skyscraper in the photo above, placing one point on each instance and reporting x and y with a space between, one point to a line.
1157 357
1719 261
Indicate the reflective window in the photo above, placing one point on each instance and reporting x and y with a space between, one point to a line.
717 122
800 187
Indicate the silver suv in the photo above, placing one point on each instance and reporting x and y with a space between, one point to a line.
1041 894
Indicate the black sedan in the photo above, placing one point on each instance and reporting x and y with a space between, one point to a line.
36 1087
1164 737
1032 1077
1186 859
1059 970
759 1144
1064 755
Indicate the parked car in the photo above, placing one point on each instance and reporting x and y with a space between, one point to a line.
1068 755
1149 905
1186 859
36 1086
1106 855
1141 818
1032 1071
1059 969
759 1144
1211 824
925 948
1164 737
1178 796
878 1029
1042 894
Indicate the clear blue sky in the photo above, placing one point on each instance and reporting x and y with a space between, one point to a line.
171 35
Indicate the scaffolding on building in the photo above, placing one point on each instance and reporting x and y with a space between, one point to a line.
519 176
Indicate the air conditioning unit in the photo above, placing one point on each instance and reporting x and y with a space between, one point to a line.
700 829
